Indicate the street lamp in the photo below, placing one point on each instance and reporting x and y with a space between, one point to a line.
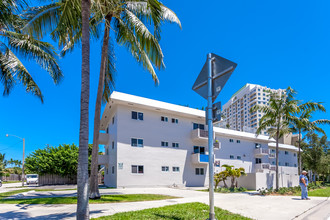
7 135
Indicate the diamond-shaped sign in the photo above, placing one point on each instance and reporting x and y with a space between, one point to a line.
221 71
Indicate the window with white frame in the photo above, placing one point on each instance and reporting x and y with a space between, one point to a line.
164 119
286 152
137 115
294 154
175 120
258 160
164 144
175 145
165 169
137 169
176 169
231 156
231 140
199 171
287 164
238 141
239 157
136 142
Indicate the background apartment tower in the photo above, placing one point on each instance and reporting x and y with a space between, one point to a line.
236 112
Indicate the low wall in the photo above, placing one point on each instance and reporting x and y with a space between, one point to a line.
11 177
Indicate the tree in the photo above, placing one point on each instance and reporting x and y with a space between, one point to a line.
132 32
238 172
218 177
301 123
3 163
276 117
313 152
14 43
61 160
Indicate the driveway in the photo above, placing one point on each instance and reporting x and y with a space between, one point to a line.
253 206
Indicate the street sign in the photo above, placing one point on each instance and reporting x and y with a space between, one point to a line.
216 113
209 83
221 71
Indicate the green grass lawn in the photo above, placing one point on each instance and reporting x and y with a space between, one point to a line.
73 200
323 192
11 182
187 211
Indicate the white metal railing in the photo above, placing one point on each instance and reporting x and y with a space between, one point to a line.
262 166
261 151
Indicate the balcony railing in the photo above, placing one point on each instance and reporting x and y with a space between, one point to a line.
199 134
261 152
272 168
198 158
272 155
104 139
260 167
103 159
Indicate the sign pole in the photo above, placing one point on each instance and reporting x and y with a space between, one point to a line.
210 138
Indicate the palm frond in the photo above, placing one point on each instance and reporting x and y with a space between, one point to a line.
43 53
11 64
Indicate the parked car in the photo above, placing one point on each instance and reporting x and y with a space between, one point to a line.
32 178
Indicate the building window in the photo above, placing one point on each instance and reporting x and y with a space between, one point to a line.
295 165
107 151
175 120
137 116
163 118
113 119
176 145
199 149
258 160
287 164
231 140
137 169
165 168
294 154
135 142
113 169
238 141
257 145
239 157
164 144
279 163
273 150
286 152
176 169
113 145
200 126
273 162
231 156
199 171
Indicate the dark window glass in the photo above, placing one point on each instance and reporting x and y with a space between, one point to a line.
140 143
140 169
134 142
134 169
140 116
134 115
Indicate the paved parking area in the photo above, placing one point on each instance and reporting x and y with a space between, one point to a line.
253 206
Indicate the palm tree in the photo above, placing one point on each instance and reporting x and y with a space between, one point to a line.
276 117
301 123
221 176
238 172
127 19
14 43
82 176
133 33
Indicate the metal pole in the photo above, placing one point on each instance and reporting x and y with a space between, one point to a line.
210 139
23 162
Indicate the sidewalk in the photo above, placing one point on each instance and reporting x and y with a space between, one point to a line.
256 207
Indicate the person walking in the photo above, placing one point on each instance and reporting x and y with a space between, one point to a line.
303 182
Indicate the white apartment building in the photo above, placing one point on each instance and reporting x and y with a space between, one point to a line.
153 143
236 111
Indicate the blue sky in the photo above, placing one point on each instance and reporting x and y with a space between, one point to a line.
275 44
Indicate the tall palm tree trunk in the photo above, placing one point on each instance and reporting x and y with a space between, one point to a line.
299 153
94 189
82 192
277 180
